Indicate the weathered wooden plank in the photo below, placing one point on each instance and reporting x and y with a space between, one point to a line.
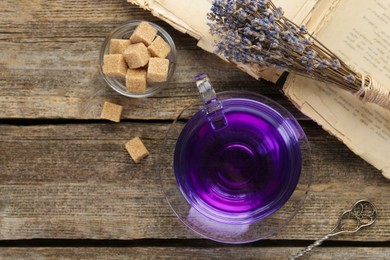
225 252
49 63
77 181
136 209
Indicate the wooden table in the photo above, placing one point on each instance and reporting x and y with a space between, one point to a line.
67 185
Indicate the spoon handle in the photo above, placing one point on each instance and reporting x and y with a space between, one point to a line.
310 247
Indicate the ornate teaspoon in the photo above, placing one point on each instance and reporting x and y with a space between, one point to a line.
362 214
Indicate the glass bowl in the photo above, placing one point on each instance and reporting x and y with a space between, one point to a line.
224 192
123 32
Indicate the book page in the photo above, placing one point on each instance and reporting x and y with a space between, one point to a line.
296 10
320 13
359 33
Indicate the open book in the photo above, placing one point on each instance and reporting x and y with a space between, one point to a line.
358 31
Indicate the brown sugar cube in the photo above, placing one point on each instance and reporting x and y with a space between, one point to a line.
144 33
136 55
136 80
114 65
111 111
157 70
159 48
136 149
117 46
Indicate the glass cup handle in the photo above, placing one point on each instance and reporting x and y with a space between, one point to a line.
212 105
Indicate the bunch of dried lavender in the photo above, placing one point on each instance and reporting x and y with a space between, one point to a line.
256 32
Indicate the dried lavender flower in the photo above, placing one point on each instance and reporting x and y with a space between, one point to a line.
336 64
256 32
350 78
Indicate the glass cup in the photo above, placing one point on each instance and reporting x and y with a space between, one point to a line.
241 165
124 32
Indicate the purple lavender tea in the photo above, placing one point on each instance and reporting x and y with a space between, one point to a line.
242 172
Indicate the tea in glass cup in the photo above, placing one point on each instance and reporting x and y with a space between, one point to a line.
237 161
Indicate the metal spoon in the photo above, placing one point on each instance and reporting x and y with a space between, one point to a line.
362 214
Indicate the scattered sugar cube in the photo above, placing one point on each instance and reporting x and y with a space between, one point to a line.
159 48
111 111
117 46
143 33
114 65
157 70
136 149
136 55
136 80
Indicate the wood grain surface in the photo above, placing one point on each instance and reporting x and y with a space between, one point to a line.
378 253
50 63
77 181
65 174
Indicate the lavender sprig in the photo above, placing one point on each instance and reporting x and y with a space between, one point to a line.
256 32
